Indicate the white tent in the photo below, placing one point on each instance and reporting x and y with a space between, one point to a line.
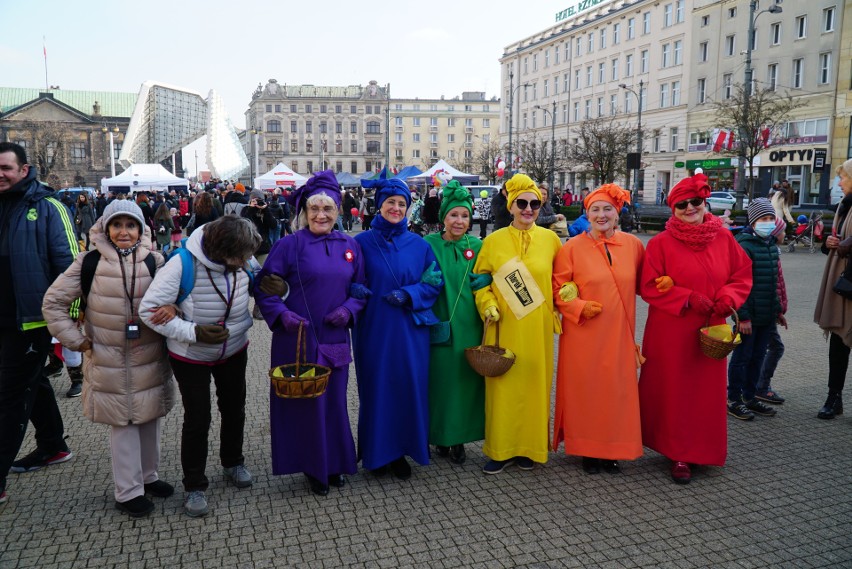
426 177
279 177
144 178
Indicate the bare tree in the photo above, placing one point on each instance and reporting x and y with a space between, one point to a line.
535 157
485 161
49 146
601 148
767 111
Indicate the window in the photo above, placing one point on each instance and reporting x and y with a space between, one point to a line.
369 110
535 91
601 72
309 126
526 65
451 121
616 34
433 107
631 28
628 102
678 11
415 137
433 121
353 167
678 52
294 146
353 110
628 65
116 146
727 86
588 108
613 104
614 70
705 21
565 114
644 98
732 12
546 88
294 127
556 55
273 146
277 108
810 127
702 91
309 108
673 139
338 127
664 95
754 40
353 146
576 111
451 154
397 121
696 138
775 34
824 68
668 14
547 58
323 127
273 126
603 38
589 76
373 127
730 44
556 85
292 108
702 51
646 23
600 106
397 137
468 123
579 43
338 146
268 108
656 143
374 147
801 27
451 138
591 43
309 146
415 121
798 65
772 77
78 152
576 79
353 127
675 93
535 62
323 109
338 109
643 61
666 57
310 165
828 19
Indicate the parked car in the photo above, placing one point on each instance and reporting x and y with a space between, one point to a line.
74 192
476 193
720 201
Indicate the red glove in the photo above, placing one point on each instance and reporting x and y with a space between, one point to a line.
723 306
700 303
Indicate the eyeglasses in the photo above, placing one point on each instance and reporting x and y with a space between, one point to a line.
316 210
532 204
694 202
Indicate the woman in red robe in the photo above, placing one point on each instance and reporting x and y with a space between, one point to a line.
694 272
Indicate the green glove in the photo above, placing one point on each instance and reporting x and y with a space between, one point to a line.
478 281
432 276
274 285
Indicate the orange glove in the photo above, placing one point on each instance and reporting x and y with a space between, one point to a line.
664 284
591 309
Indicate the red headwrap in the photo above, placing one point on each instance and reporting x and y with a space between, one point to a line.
696 186
612 193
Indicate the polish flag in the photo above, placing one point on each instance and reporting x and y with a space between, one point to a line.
719 138
764 136
731 139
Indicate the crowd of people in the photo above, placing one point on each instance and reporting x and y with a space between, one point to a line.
402 308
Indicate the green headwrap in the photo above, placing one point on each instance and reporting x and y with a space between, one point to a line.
455 195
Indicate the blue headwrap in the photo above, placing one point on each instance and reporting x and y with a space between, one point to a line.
320 183
386 188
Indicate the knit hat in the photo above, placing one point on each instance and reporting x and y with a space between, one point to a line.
693 187
323 182
240 188
455 195
123 207
611 193
256 195
517 185
759 208
780 227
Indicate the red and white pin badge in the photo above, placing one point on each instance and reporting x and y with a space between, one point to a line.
468 254
349 255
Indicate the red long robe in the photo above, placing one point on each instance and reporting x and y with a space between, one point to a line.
682 392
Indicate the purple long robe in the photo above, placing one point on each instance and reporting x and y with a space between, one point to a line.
312 435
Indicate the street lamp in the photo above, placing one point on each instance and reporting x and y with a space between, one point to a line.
552 142
112 132
512 91
638 134
255 166
744 124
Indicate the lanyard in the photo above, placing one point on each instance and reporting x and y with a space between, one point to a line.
231 290
132 292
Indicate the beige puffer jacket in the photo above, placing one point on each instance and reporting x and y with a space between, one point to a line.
125 381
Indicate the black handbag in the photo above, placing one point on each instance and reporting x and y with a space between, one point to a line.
843 286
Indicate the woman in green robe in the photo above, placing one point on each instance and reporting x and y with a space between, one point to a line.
456 392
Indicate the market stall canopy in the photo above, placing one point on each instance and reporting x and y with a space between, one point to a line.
347 180
408 172
279 177
442 167
144 178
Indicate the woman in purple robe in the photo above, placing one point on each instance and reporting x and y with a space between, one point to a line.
318 265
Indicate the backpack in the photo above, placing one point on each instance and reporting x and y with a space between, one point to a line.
414 216
90 264
234 208
187 275
371 206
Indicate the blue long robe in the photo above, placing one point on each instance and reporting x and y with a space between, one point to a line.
392 351
312 435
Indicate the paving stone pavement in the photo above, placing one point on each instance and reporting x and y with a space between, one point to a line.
783 500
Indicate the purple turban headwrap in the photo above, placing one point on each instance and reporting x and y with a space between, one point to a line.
320 183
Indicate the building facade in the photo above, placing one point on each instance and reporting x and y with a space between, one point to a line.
311 128
841 142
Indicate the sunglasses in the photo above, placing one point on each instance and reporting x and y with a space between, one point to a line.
694 202
533 204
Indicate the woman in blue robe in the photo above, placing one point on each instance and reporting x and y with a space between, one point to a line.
392 336
318 265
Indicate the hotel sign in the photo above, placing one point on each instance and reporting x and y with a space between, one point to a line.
576 9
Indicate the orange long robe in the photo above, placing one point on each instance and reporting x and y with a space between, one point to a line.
597 396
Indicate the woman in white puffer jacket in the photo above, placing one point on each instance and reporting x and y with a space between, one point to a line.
127 380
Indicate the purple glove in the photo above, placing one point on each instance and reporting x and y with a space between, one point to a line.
339 317
290 320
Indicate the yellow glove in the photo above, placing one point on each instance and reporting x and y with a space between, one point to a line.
568 291
492 313
591 309
664 283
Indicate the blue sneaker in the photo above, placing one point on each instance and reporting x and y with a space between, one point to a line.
238 475
497 466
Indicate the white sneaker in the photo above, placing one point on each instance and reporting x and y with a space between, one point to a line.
195 504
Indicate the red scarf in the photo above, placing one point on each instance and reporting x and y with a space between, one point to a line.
696 237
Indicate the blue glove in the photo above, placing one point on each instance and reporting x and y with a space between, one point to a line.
290 320
359 291
432 276
398 297
478 281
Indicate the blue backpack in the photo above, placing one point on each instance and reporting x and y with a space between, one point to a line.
187 275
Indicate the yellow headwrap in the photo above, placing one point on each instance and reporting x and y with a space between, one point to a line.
517 185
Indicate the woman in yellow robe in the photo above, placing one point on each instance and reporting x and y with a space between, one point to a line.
517 404
595 279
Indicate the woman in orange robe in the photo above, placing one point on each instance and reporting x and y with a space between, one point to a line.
595 278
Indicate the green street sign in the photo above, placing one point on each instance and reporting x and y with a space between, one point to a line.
679 164
711 164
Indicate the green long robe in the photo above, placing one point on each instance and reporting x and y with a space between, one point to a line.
456 392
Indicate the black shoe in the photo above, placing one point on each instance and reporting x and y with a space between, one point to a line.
610 466
380 471
591 465
54 368
739 410
317 487
337 480
76 389
159 489
457 454
833 407
442 451
400 468
138 507
759 408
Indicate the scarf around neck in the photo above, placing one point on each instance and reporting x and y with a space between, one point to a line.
696 237
387 229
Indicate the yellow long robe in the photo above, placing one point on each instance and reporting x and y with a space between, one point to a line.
517 404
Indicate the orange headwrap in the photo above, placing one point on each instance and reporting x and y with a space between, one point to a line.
517 185
240 188
693 187
612 193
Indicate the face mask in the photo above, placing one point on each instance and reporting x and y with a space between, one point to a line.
764 228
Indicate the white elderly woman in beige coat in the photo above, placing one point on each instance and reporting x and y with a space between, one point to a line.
127 382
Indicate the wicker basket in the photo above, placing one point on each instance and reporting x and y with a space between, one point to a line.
290 384
487 360
715 348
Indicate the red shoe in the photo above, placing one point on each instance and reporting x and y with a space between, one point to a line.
681 473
